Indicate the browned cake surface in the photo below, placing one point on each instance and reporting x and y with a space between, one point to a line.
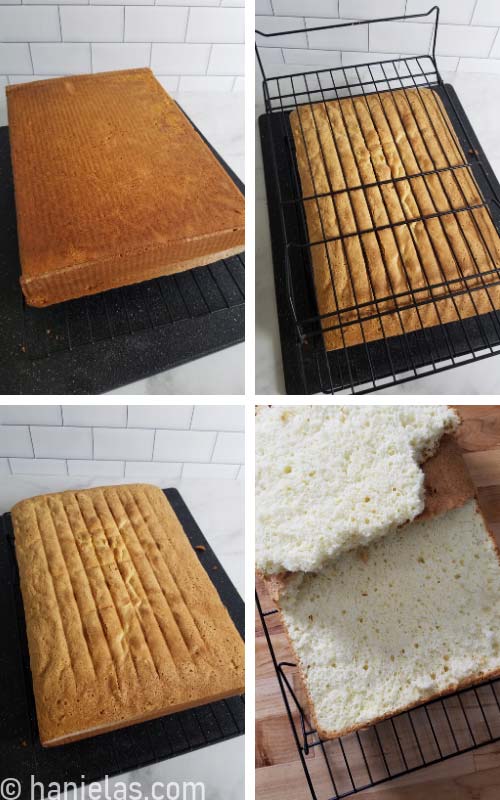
387 143
123 622
448 483
113 186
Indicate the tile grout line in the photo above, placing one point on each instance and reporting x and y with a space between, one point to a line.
492 45
113 428
215 445
473 12
31 439
114 462
120 460
31 57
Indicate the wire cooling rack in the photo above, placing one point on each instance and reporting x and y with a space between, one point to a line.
390 360
151 305
426 735
21 754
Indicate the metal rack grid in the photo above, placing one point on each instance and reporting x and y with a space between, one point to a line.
123 750
194 294
391 359
426 735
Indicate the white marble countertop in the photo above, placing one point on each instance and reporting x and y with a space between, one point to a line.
220 117
480 96
218 508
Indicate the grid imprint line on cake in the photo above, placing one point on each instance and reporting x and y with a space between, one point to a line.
478 340
168 568
328 258
457 211
328 252
70 581
364 190
160 586
174 582
457 183
126 587
59 612
113 599
375 229
98 610
409 228
406 221
153 570
412 235
136 572
189 612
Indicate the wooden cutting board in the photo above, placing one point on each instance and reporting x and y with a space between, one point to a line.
471 776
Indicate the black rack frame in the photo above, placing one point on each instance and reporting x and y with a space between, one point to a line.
123 750
391 360
358 761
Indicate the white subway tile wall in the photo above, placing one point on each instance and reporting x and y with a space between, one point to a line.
190 46
4 466
468 38
123 441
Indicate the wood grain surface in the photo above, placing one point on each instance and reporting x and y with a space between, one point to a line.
470 776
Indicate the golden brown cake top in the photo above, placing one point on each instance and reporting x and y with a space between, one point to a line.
357 141
107 165
123 622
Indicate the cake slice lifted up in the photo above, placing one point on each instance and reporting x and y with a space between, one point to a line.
331 478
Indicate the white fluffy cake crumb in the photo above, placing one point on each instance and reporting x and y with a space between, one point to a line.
418 614
330 478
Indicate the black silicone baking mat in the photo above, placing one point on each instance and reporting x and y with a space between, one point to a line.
21 754
309 369
99 343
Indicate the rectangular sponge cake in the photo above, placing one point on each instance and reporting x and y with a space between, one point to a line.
123 622
414 615
113 186
345 144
